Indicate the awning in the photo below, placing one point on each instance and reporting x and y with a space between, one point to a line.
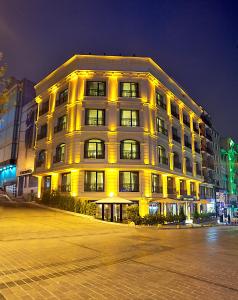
113 200
166 200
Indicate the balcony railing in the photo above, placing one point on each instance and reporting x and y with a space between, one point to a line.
41 136
93 187
95 121
129 187
163 130
65 188
176 138
58 158
175 114
177 165
187 144
130 122
163 160
59 127
94 154
130 155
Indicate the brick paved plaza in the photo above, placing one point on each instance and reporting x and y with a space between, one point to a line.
50 255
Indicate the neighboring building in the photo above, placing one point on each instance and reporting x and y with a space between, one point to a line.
118 126
17 94
207 188
26 182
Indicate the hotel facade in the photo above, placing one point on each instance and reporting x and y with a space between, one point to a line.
119 128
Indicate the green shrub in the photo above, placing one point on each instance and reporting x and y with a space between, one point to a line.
91 208
169 218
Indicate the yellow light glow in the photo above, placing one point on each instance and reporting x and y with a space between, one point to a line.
165 185
54 181
177 184
113 88
111 183
111 194
39 186
74 182
143 207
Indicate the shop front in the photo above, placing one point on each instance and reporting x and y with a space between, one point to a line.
112 209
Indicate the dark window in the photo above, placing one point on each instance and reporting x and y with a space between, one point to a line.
196 147
33 181
61 124
94 181
42 132
162 155
192 188
171 185
129 89
128 181
195 127
129 118
198 169
183 187
155 186
130 149
94 149
40 160
161 126
174 110
62 97
59 153
177 163
96 88
187 142
186 119
44 108
188 165
160 100
65 182
175 135
95 117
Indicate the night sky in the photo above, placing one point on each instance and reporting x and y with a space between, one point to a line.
195 42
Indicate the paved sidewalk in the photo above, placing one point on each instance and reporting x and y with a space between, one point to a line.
51 255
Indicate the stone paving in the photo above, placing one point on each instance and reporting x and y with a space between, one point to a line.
51 255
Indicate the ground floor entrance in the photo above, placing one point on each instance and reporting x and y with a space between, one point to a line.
112 212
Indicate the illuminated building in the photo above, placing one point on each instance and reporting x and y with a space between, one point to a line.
26 182
16 94
121 127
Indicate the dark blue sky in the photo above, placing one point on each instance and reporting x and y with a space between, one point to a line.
195 42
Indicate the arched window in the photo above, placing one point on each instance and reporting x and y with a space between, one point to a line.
162 155
177 163
188 165
130 149
59 153
40 158
94 149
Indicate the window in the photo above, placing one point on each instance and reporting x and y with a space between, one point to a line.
155 186
94 181
96 88
94 149
40 158
183 188
129 118
174 110
171 185
42 132
130 149
128 181
59 153
196 147
129 89
160 100
62 97
175 135
187 141
198 169
95 117
193 188
65 182
162 155
33 181
161 126
188 165
177 163
186 119
44 108
47 183
61 124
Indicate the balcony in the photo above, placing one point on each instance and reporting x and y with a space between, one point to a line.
58 158
41 136
129 187
176 138
65 188
175 114
163 160
59 127
177 165
187 144
94 187
163 130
